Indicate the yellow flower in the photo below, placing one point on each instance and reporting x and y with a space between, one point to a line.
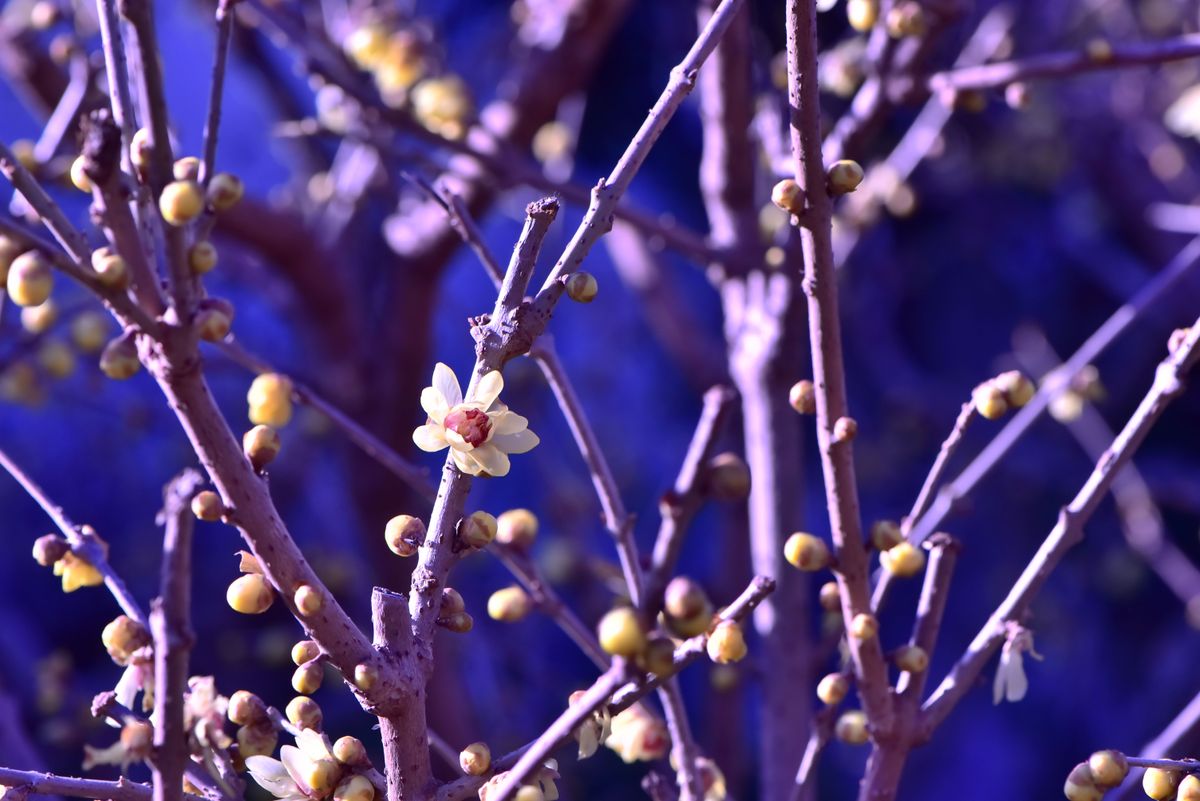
77 572
636 736
480 431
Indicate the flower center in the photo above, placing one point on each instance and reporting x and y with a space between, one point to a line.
470 424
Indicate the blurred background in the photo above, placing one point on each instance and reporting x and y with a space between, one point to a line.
1010 243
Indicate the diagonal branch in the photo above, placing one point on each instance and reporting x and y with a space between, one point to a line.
212 124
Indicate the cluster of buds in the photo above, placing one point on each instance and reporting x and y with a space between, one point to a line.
453 614
994 397
315 769
251 593
256 734
1104 770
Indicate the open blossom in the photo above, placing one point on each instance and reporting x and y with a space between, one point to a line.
480 431
303 772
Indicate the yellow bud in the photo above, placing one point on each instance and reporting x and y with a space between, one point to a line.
906 19
367 45
458 622
864 626
186 169
308 600
989 400
728 477
904 560
1018 390
788 196
349 751
225 191
912 658
452 601
803 397
306 680
246 708
214 318
261 445
806 552
475 759
582 287
477 530
830 597
270 400
39 319
122 636
250 594
120 359
1189 788
832 689
304 713
862 14
89 331
851 728
137 736
1081 785
529 793
443 105
30 279
365 676
208 506
79 176
1109 768
305 651
726 644
56 358
844 429
180 202
139 149
518 528
844 176
320 775
684 598
885 534
509 604
355 788
1160 784
621 633
202 257
404 534
111 268
659 656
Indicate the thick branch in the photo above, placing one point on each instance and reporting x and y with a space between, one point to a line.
48 784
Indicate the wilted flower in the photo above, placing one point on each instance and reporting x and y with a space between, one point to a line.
1011 684
480 431
636 736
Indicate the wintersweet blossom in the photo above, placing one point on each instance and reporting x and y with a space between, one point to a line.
636 736
303 772
480 431
1010 683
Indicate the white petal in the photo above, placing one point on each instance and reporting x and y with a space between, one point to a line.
271 775
445 382
430 438
456 441
506 422
488 388
297 765
314 745
519 442
434 404
464 462
492 459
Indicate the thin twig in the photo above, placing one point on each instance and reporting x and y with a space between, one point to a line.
1181 726
225 19
1068 532
55 131
49 783
683 745
935 591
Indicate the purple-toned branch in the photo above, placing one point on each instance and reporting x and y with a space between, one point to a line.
1068 532
49 783
171 628
65 114
225 16
931 607
683 744
83 543
820 286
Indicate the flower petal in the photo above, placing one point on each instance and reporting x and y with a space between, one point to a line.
272 776
445 382
314 745
430 438
488 388
517 442
464 462
492 459
455 440
434 404
507 422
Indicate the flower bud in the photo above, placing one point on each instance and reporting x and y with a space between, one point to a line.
250 594
257 740
1160 784
79 176
39 319
119 360
844 429
202 257
529 793
726 644
659 656
788 196
862 14
355 788
261 445
140 150
684 598
30 279
404 534
477 530
56 358
122 636
208 506
728 477
443 105
851 728
509 604
306 680
830 597
89 331
806 552
1099 50
844 176
350 751
319 775
225 191
1081 786
186 169
308 600
180 202
270 400
49 548
475 759
904 560
864 626
620 632
365 676
214 318
367 45
1018 390
989 400
137 737
833 688
304 713
452 601
1109 768
517 528
305 651
1189 788
458 622
1016 96
111 268
246 708
912 658
582 287
803 397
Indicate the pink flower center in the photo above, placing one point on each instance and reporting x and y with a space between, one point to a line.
470 424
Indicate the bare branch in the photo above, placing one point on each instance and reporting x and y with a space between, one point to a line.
49 783
226 16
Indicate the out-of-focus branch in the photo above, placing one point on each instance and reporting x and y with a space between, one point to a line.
225 17
84 543
683 744
935 592
1068 532
171 628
